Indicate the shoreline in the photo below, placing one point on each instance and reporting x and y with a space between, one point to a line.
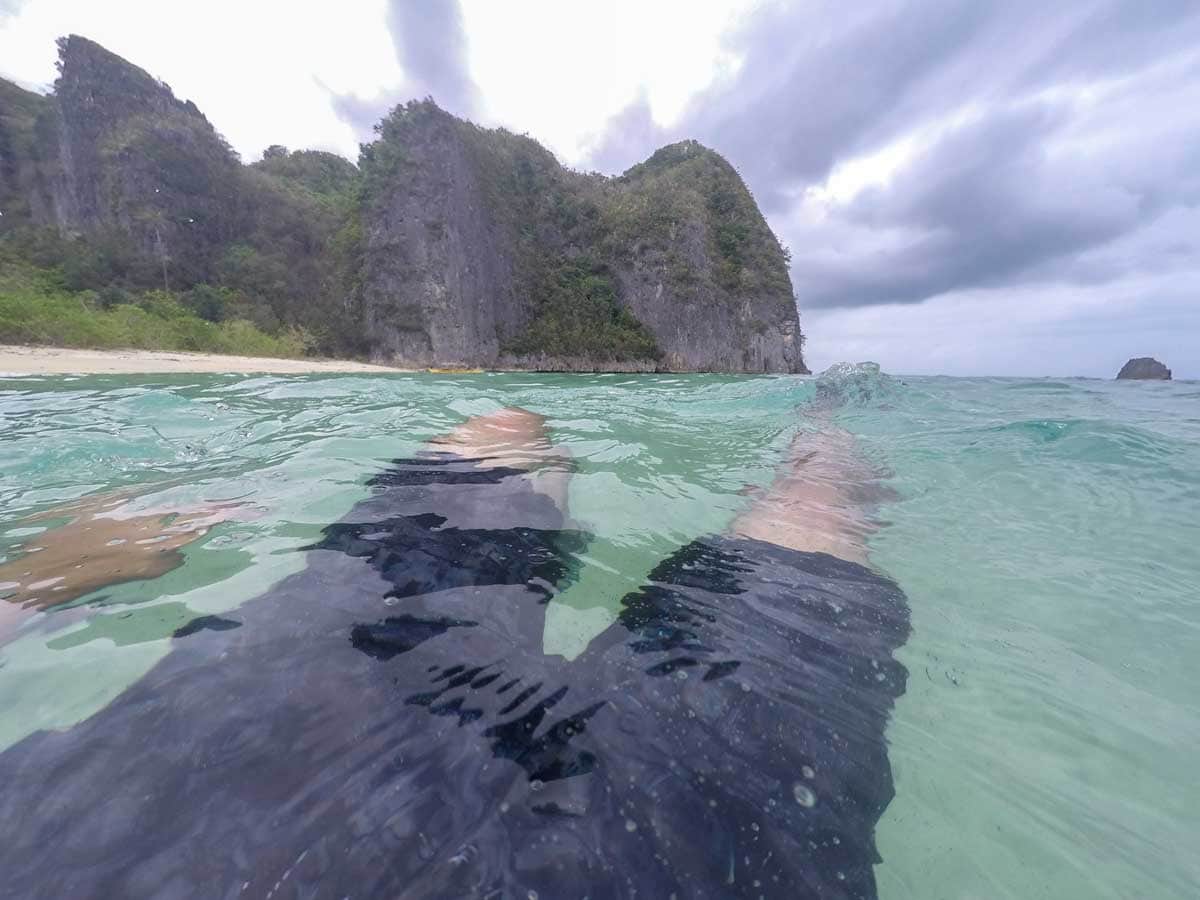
28 360
35 360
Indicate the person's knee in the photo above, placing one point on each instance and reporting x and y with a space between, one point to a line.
501 433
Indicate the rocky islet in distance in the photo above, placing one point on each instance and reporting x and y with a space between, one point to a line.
1144 368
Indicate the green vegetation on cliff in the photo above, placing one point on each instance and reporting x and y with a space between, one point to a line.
37 308
576 315
699 184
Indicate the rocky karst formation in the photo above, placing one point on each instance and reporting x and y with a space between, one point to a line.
141 192
1145 368
448 245
19 193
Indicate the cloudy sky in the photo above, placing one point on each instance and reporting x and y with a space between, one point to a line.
966 187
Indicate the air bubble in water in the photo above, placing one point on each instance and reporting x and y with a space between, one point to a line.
804 796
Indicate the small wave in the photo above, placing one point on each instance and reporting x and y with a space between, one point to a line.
1043 387
1093 441
855 384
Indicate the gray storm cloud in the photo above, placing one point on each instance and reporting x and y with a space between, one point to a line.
431 48
1061 130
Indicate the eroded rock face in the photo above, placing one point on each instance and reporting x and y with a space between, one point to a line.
22 196
438 274
130 156
1145 368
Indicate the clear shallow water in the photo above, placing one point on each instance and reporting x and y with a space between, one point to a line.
1044 531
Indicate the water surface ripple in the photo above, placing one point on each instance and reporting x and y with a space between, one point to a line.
1045 532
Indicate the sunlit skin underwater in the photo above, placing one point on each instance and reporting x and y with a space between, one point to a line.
534 635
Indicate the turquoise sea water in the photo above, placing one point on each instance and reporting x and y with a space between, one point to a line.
1045 532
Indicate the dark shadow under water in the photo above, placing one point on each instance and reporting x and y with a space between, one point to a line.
384 724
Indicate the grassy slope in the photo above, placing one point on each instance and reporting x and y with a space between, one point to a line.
35 308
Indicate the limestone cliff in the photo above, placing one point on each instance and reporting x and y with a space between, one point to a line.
448 244
129 156
480 249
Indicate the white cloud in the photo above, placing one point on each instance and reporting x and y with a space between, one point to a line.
560 69
263 71
255 69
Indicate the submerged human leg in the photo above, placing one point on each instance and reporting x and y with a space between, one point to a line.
301 734
743 742
385 722
816 502
99 541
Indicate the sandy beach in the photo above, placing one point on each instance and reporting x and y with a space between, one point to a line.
16 360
